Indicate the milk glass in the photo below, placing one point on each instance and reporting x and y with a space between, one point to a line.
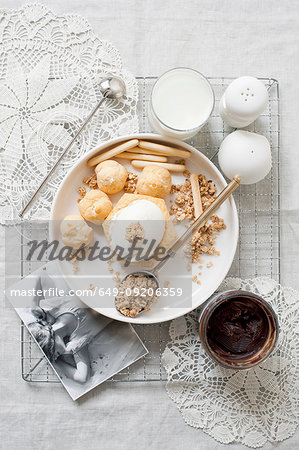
181 102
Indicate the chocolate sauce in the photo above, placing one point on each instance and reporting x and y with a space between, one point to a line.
237 328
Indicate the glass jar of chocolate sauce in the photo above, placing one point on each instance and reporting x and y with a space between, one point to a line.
238 329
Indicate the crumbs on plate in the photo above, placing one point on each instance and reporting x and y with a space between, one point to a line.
203 241
130 185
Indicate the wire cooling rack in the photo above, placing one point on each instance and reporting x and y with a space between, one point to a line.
258 252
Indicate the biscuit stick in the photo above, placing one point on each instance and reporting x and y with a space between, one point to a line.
112 152
143 151
128 155
196 195
164 149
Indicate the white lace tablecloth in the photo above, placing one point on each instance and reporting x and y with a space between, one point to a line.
218 38
50 67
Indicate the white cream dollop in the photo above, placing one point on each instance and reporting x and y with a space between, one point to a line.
143 214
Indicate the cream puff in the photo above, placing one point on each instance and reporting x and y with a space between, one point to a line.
95 205
154 181
111 176
75 232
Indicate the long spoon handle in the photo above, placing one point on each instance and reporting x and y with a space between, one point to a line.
198 223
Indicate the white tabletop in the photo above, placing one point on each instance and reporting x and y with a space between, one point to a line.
219 38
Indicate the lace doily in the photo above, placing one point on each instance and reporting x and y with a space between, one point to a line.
248 406
49 69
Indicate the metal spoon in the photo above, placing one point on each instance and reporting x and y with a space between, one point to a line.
110 87
132 309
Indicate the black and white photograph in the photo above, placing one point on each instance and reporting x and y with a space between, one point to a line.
83 347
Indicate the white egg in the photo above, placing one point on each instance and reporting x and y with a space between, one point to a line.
245 154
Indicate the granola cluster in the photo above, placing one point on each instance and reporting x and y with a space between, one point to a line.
203 241
134 231
128 301
91 182
82 191
183 204
131 182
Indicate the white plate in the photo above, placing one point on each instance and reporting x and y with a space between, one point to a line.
96 272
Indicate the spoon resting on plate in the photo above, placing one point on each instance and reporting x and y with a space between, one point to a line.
132 305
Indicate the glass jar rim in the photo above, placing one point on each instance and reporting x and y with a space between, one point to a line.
218 299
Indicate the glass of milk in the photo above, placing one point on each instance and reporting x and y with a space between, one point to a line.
181 102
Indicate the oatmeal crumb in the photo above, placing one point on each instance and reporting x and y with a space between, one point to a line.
129 304
180 161
91 287
130 185
134 231
116 277
167 284
194 278
82 191
203 240
209 264
91 182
